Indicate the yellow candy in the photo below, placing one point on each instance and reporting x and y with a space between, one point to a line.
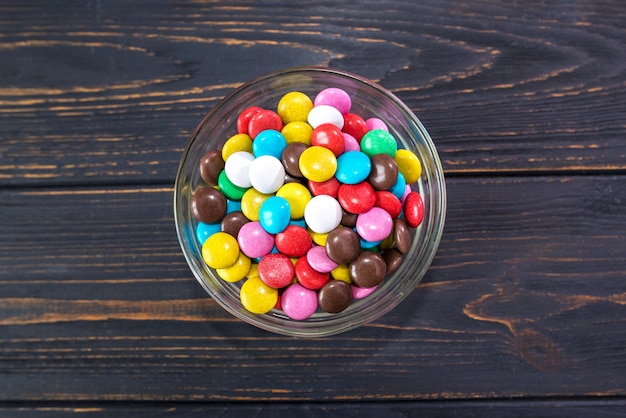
238 142
409 165
318 238
257 297
237 271
317 163
220 250
297 131
387 242
297 195
341 272
294 106
251 202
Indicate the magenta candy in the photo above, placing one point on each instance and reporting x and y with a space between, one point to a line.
374 225
319 261
362 292
350 143
298 302
254 241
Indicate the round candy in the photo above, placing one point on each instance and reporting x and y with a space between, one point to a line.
325 114
375 123
230 190
237 168
276 270
297 132
237 142
362 292
389 202
318 163
342 272
409 165
348 219
328 136
297 195
274 214
233 206
318 238
354 125
378 142
267 174
220 250
356 198
298 302
257 297
322 214
308 277
291 158
237 271
294 106
350 143
393 259
374 225
244 118
211 165
384 173
353 167
269 142
232 223
208 205
368 270
335 97
294 241
343 245
329 187
413 209
254 241
319 260
204 230
401 235
263 120
251 202
399 188
335 296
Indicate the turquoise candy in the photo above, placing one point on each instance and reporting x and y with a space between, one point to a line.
353 167
399 188
275 214
205 230
379 141
269 142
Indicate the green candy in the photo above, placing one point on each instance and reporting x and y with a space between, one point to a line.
230 190
378 141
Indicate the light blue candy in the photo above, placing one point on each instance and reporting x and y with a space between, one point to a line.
269 142
233 206
204 231
298 222
399 188
275 214
353 167
368 244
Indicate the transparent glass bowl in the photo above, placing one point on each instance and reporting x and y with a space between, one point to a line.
368 100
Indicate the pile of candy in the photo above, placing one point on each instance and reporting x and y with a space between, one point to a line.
310 204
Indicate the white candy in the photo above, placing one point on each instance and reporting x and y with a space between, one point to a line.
267 174
322 214
237 168
325 114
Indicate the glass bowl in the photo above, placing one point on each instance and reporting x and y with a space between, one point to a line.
368 100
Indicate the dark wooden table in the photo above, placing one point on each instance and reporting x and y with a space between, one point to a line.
523 311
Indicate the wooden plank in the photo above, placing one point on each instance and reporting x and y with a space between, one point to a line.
110 92
525 299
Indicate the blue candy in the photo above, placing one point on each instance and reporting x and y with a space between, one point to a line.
269 142
274 214
353 167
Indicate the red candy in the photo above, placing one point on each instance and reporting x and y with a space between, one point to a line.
329 187
356 198
413 209
389 202
294 241
308 277
244 118
264 120
329 136
354 125
276 270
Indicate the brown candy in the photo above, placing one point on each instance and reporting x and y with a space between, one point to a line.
368 270
348 219
384 172
208 205
211 165
291 158
401 235
335 296
393 258
232 223
343 245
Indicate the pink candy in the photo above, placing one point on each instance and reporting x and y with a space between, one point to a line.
374 225
254 241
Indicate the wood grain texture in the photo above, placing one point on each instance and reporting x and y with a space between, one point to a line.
526 298
109 92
